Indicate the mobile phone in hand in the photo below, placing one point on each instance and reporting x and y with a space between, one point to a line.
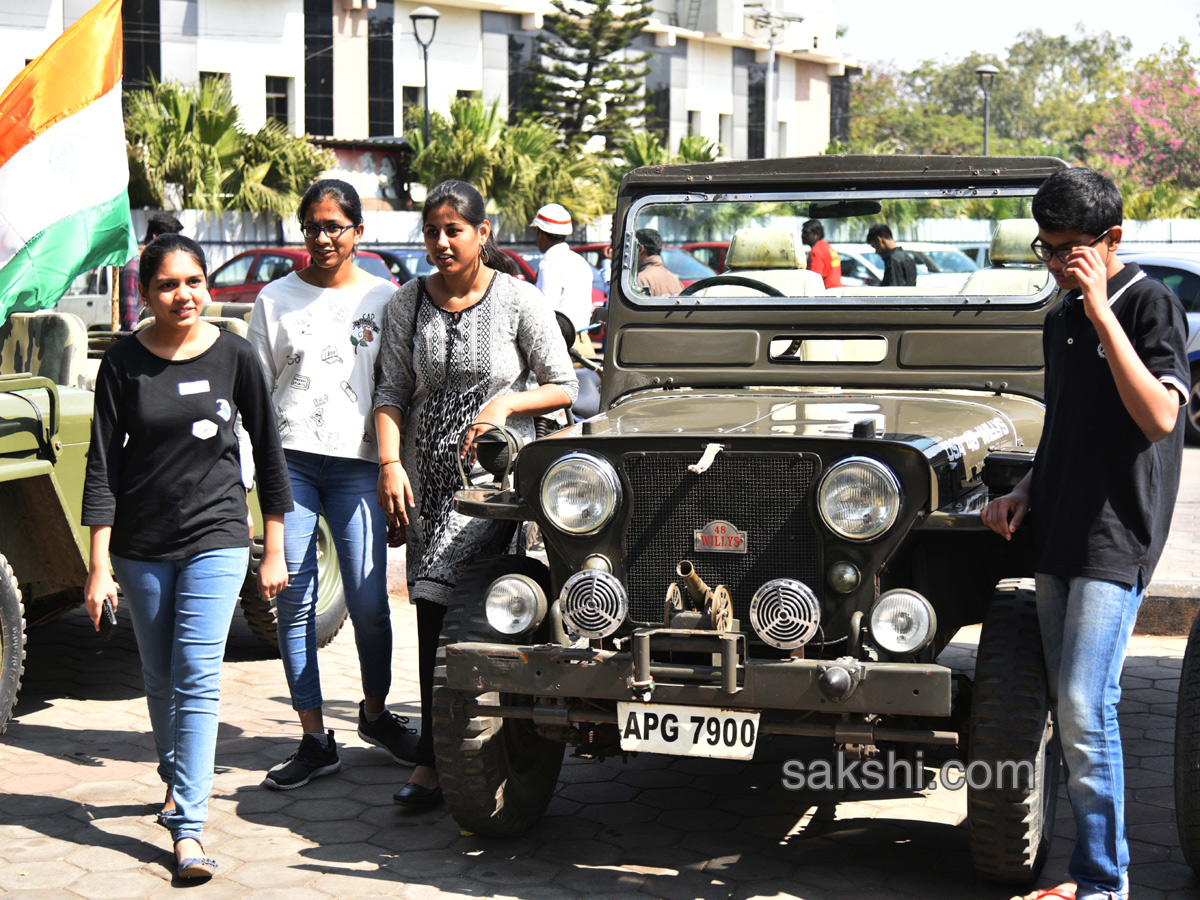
108 619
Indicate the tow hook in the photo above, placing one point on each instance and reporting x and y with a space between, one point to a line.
837 680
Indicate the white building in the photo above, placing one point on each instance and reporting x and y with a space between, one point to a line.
348 69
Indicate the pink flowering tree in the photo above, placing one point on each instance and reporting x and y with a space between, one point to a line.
1152 133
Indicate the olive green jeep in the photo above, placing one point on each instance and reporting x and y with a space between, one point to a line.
48 363
772 527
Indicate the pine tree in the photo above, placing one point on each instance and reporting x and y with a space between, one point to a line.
587 82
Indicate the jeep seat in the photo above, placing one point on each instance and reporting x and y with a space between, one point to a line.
228 311
774 256
51 344
1015 270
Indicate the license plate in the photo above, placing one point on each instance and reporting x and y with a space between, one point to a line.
687 730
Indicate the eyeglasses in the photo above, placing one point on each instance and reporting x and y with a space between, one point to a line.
1045 252
312 232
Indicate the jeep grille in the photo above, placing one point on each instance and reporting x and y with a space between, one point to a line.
763 494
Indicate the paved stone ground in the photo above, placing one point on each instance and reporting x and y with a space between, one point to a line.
78 790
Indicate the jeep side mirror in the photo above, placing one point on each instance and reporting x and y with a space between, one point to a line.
599 318
566 327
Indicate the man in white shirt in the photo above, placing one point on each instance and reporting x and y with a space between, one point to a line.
564 277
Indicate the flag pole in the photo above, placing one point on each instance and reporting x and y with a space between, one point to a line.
115 278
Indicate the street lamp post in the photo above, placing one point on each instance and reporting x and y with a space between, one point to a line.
986 73
425 16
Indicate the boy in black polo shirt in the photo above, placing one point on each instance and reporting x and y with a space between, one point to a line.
1100 495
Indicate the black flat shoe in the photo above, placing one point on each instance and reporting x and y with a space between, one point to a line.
414 796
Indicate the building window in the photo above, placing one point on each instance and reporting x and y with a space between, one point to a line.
693 122
522 52
411 102
726 132
658 88
756 109
140 29
318 67
381 92
277 98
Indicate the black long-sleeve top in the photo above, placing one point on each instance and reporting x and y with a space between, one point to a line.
164 466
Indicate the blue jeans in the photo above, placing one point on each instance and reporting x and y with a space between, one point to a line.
1086 624
181 611
344 490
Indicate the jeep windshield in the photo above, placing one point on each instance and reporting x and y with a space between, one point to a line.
767 260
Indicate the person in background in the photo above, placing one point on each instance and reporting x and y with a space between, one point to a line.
652 274
822 258
129 298
316 332
899 270
464 349
564 276
164 498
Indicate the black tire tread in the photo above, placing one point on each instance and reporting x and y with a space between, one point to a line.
12 667
261 616
471 756
1187 751
1008 840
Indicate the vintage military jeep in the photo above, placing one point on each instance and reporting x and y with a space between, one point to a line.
46 371
773 526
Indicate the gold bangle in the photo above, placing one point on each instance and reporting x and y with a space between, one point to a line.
387 462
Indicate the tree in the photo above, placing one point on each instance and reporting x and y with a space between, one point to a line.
185 145
586 81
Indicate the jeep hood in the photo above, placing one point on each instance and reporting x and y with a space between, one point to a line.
945 426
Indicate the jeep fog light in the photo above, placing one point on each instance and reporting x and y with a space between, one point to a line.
902 622
580 493
859 498
515 604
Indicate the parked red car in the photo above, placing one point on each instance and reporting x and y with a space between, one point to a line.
711 253
240 279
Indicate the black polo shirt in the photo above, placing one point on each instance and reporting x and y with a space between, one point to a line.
1103 493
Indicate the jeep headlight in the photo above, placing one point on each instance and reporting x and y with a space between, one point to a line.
902 622
580 493
859 498
514 604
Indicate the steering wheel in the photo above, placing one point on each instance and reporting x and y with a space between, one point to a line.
736 280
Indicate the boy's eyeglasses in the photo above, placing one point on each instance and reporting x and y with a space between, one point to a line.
312 232
1045 252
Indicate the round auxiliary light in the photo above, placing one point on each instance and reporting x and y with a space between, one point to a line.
593 603
859 498
902 622
514 604
785 613
843 577
580 493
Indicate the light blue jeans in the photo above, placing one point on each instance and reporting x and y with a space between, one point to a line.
344 490
1086 624
181 611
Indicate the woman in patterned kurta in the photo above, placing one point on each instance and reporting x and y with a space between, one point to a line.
470 346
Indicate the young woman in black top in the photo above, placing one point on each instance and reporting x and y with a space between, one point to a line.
165 502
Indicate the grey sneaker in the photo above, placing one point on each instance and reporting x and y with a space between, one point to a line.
391 732
310 760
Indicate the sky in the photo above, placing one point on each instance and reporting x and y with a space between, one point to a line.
909 31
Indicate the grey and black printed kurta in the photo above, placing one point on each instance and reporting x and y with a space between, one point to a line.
440 374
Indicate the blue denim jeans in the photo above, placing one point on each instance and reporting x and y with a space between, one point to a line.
1086 624
181 611
344 490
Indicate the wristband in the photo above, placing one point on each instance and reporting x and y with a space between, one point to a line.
388 462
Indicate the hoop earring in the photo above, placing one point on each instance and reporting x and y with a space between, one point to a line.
483 253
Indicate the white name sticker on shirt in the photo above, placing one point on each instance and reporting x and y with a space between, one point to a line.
224 410
193 387
204 429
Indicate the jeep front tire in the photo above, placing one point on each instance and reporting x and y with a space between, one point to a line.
12 641
498 775
1010 826
1187 751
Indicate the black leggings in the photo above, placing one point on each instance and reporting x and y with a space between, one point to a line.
429 629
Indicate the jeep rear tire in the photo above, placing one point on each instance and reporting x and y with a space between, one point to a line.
12 642
1191 415
1187 751
1010 826
498 775
331 596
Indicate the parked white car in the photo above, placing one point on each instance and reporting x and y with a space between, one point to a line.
90 298
938 265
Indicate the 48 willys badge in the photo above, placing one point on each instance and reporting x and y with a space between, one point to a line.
719 536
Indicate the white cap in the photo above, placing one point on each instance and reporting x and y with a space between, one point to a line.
553 218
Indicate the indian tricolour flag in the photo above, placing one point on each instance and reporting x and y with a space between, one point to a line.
64 176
